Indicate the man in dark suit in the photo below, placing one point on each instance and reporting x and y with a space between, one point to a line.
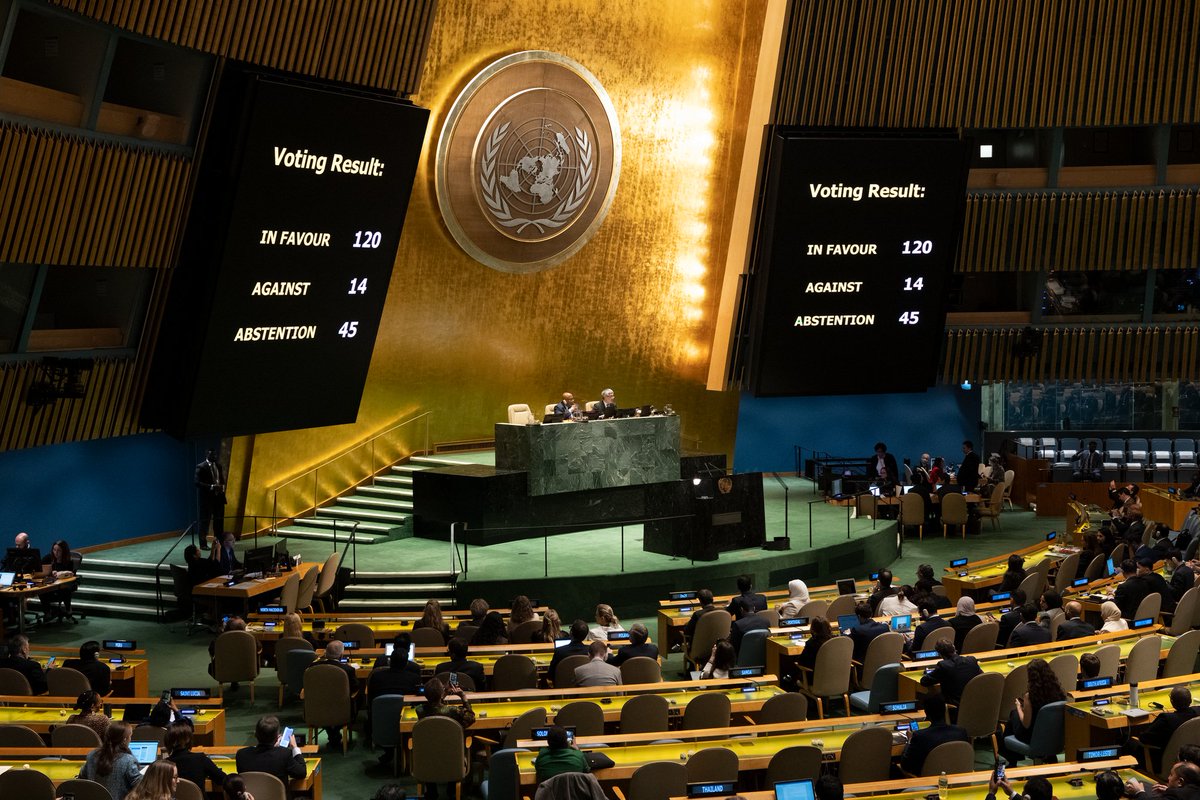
705 599
968 470
566 406
457 649
1182 784
1156 582
18 658
952 672
744 621
1132 590
881 467
1009 620
1088 463
930 622
607 405
922 742
210 495
1074 627
866 630
1182 576
756 601
883 588
333 657
269 755
576 647
638 646
1157 733
1029 631
98 673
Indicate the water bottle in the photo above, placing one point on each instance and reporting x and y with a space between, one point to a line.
1133 694
943 787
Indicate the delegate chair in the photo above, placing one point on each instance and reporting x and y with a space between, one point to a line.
641 669
830 677
1066 573
514 671
27 784
949 757
1150 607
945 634
385 724
912 513
20 736
82 789
235 659
813 608
866 755
428 637
708 710
1066 668
439 753
290 593
297 662
884 689
308 588
840 606
464 680
886 648
13 682
954 514
801 762
323 597
753 651
586 716
149 733
327 702
712 626
186 790
504 779
981 638
519 414
645 713
1187 733
1033 584
66 682
74 735
1110 661
1181 658
283 646
1009 476
992 508
1141 664
979 708
523 633
786 707
264 786
712 765
358 632
1046 742
522 727
1016 683
564 673
658 780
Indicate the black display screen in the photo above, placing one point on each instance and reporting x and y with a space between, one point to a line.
859 234
293 238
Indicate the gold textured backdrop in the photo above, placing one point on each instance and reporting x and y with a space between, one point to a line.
634 309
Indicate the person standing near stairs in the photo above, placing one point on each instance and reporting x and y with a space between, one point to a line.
210 495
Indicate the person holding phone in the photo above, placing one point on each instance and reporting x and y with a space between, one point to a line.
922 741
272 754
560 755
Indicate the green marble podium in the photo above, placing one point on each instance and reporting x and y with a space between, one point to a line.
601 454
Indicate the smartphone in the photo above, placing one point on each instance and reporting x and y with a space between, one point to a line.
50 661
454 680
1000 771
166 696
285 738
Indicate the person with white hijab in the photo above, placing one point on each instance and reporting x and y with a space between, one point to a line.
797 599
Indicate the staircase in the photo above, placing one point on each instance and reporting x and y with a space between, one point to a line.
398 591
113 588
381 509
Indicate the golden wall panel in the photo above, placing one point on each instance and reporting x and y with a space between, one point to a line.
1127 230
69 200
990 63
379 43
634 308
1107 355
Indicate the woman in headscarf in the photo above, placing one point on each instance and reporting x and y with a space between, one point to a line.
1112 618
797 599
963 620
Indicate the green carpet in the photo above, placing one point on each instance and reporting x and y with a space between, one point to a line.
180 660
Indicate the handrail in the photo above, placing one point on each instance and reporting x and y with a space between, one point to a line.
312 471
158 596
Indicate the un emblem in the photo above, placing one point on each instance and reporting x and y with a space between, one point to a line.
527 162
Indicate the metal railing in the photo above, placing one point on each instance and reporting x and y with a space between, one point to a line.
349 468
158 592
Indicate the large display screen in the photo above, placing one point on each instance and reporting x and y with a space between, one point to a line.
859 234
292 244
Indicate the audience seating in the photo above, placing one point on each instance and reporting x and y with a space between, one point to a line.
1046 742
641 669
82 789
235 659
584 715
503 781
26 784
74 735
645 713
802 762
659 780
439 753
19 736
709 710
712 765
186 790
327 702
263 786
866 756
951 758
385 724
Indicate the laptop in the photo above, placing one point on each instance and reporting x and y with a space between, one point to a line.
146 754
846 622
794 790
902 624
7 578
845 586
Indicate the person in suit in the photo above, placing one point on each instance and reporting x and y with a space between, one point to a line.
597 671
210 495
1156 582
881 467
963 620
705 598
922 742
952 672
457 648
567 405
1132 590
1009 620
394 674
638 646
195 767
883 588
200 569
744 621
1074 627
930 622
19 660
333 657
1182 576
576 647
866 630
98 673
607 405
745 586
270 755
1182 784
1157 733
1088 463
968 470
1029 631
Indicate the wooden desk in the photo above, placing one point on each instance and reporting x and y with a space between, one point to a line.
20 593
1161 506
131 679
247 589
1087 724
988 572
1003 661
209 721
973 785
754 744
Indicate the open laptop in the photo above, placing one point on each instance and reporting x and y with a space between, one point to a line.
146 754
794 790
845 586
6 579
902 623
846 622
